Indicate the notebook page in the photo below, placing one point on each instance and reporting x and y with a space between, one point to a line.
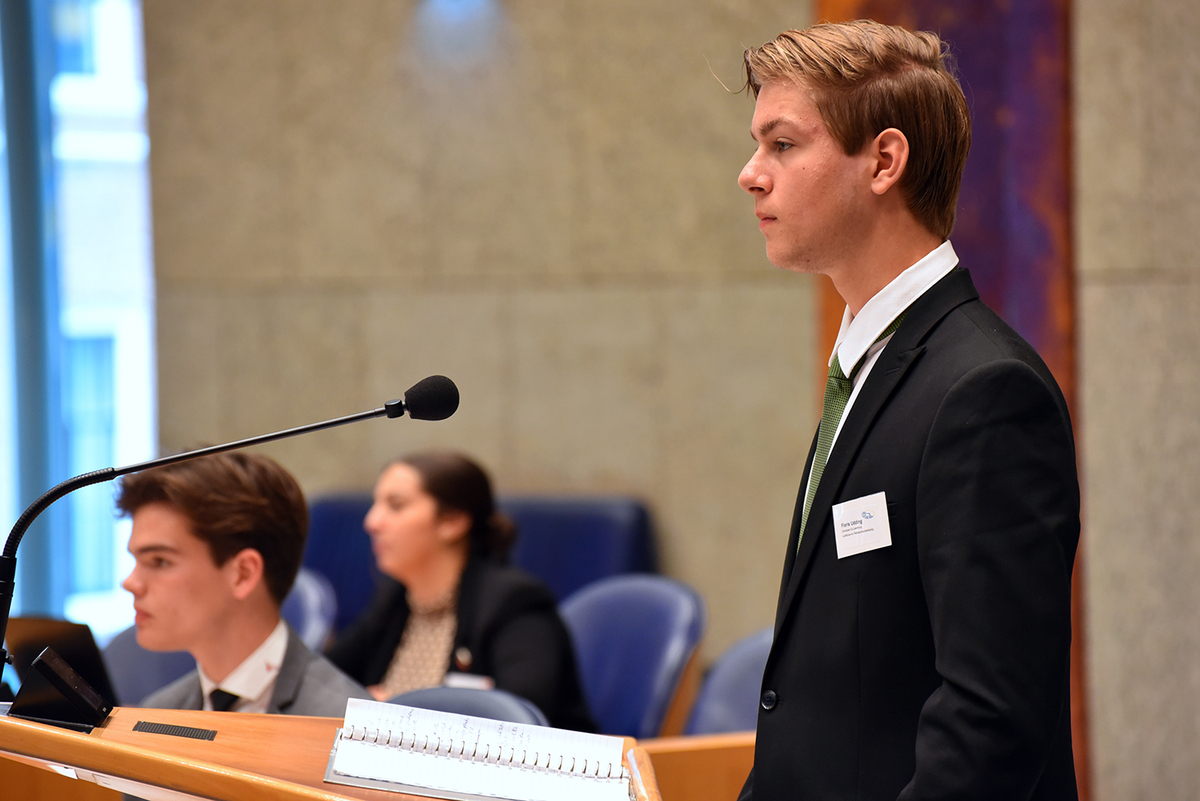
477 756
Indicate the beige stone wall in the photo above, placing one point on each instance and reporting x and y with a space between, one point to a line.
1138 107
341 210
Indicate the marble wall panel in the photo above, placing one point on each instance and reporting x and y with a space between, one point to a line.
462 334
1141 447
741 417
1137 96
213 78
587 369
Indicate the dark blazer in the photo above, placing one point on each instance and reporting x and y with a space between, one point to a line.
508 629
937 667
307 684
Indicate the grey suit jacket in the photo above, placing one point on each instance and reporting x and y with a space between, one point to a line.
307 684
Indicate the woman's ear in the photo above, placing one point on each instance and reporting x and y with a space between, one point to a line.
245 570
453 525
890 153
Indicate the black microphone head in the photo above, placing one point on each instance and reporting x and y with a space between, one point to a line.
432 398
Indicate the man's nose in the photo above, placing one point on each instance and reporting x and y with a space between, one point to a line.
129 583
752 178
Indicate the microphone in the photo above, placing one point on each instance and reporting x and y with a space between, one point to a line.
432 398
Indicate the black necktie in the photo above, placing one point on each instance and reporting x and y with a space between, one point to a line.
223 701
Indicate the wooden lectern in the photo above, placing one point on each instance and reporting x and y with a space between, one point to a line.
252 757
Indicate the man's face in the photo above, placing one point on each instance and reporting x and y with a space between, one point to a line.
810 197
179 594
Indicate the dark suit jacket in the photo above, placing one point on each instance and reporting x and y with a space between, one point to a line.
507 622
307 684
937 667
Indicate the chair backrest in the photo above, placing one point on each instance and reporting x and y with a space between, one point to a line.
340 550
491 704
634 635
569 542
136 672
728 698
311 608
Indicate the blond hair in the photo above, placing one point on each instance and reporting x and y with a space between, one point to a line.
866 77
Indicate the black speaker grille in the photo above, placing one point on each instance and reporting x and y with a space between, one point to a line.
175 731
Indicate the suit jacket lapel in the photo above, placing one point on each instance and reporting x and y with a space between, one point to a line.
789 558
287 681
901 353
194 698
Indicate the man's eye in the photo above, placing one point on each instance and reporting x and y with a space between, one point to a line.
782 146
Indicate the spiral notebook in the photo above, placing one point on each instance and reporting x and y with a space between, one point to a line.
445 755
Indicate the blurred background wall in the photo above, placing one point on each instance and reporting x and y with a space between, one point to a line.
1137 105
538 199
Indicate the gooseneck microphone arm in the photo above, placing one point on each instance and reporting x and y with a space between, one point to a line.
109 473
432 398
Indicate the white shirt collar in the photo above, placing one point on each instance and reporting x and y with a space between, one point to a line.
254 679
859 332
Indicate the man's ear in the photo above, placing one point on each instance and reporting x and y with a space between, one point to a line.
245 572
890 153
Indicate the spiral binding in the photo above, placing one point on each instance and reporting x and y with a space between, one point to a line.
437 746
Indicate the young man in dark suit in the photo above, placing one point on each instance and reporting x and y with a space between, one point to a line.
923 629
218 542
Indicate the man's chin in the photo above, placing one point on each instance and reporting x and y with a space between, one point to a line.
153 641
791 262
797 265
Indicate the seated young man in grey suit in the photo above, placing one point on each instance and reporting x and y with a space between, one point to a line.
218 542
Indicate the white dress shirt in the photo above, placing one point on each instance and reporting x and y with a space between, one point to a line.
253 680
858 333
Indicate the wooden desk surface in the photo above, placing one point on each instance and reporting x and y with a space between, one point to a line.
272 756
262 756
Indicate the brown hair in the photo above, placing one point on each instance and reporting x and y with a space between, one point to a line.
234 501
866 77
458 483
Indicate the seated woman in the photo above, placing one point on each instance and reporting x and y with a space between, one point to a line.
454 606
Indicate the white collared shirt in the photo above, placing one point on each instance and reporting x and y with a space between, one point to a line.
859 331
254 679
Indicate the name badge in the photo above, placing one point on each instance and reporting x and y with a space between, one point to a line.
861 525
470 681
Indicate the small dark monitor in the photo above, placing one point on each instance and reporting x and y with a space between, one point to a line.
73 642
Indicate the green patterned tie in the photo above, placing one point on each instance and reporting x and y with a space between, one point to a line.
837 391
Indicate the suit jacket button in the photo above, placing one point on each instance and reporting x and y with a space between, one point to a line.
769 699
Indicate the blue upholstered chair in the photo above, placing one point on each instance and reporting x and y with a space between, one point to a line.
728 698
340 550
634 635
491 704
136 672
311 608
569 542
